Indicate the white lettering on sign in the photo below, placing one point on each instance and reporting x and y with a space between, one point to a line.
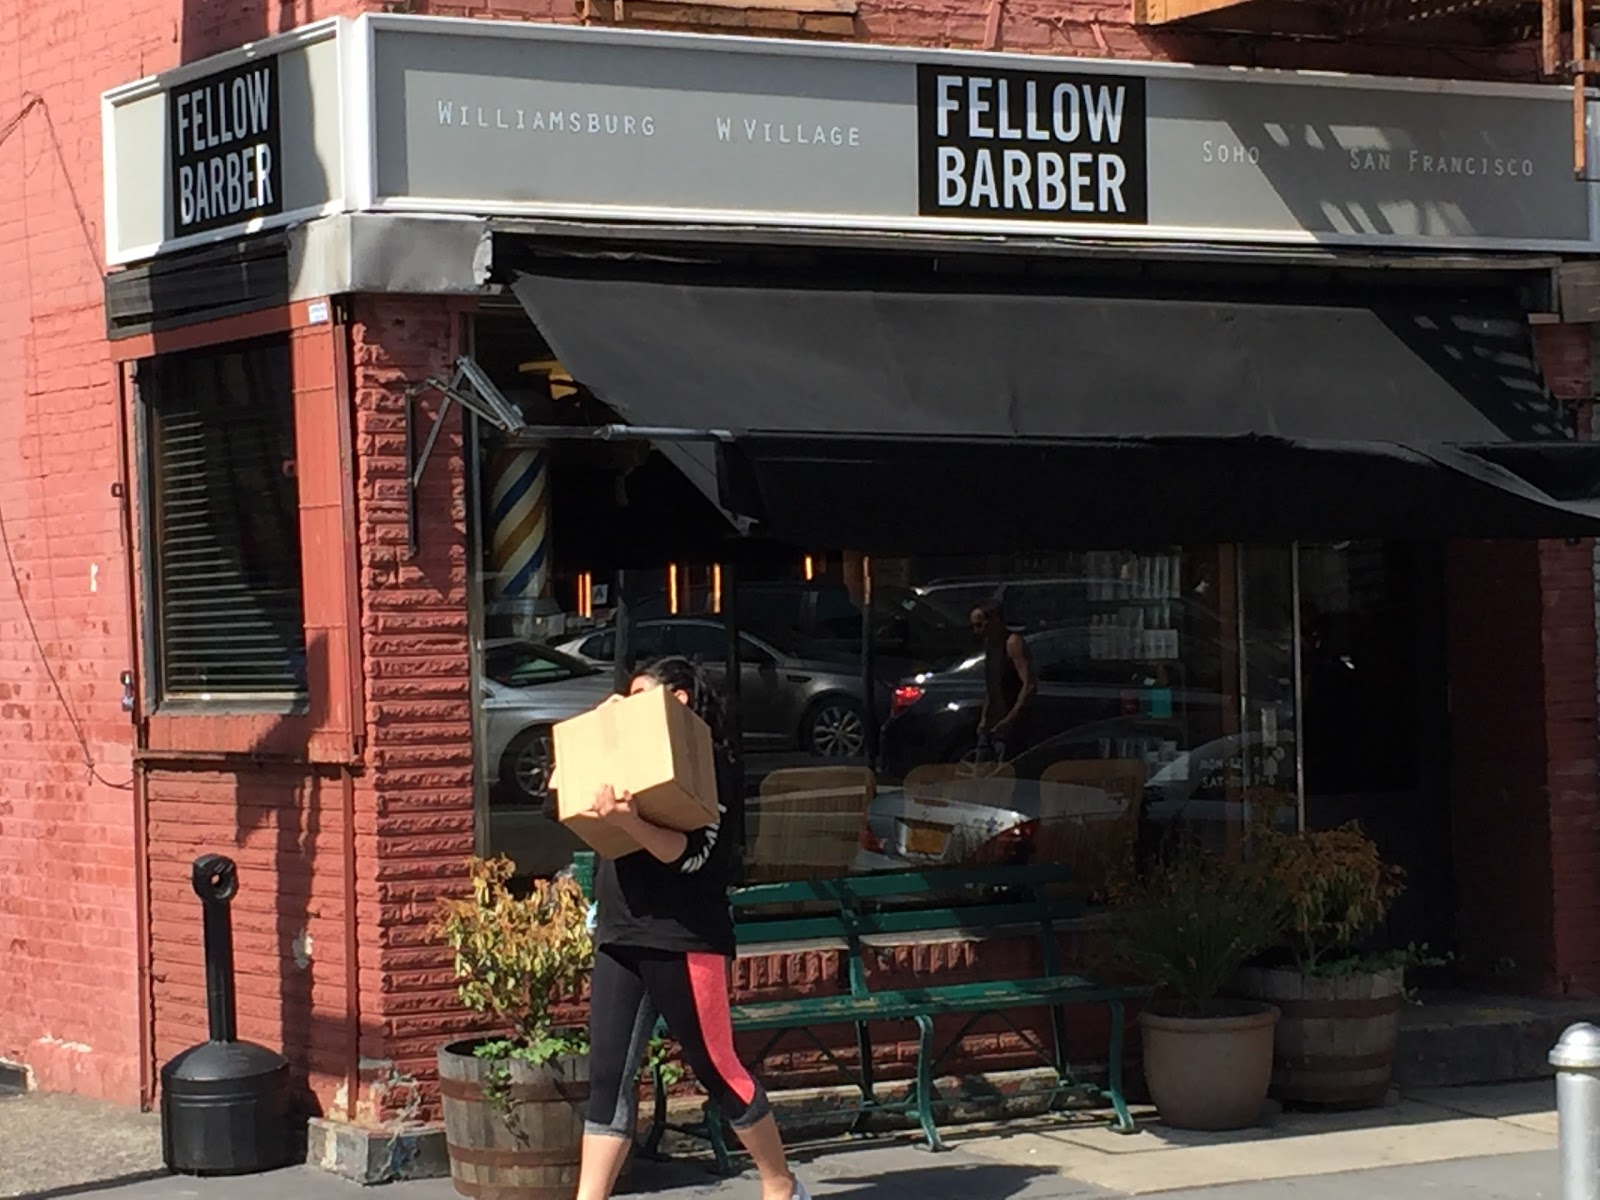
1230 154
1419 163
1032 144
753 130
223 134
465 115
237 182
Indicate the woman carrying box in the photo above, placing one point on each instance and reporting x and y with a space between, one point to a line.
663 945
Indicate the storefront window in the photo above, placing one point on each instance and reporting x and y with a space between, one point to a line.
224 523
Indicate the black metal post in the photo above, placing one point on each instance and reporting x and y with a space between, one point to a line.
869 746
621 666
216 879
733 714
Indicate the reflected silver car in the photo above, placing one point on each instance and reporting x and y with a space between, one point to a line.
527 688
813 701
1040 808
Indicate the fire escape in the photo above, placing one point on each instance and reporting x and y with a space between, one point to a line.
1559 27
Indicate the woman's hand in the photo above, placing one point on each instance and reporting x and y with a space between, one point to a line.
609 806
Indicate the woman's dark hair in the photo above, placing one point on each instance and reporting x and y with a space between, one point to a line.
705 700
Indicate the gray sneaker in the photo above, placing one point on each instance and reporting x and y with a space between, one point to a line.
800 1192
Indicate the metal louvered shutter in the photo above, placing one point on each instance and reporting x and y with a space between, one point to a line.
225 523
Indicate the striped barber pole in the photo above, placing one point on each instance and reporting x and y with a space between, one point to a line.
519 516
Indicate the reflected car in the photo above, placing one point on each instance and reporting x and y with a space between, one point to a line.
934 716
527 688
822 618
1061 801
815 702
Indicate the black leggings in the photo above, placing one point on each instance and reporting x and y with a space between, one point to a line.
629 987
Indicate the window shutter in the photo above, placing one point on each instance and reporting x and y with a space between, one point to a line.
225 523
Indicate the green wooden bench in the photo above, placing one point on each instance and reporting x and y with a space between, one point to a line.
867 913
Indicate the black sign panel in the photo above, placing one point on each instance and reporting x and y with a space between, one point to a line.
1031 145
223 142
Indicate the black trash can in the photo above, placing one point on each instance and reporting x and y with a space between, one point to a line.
224 1103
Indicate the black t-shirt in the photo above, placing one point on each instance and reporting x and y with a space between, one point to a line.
679 906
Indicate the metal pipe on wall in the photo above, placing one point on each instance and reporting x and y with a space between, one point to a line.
344 385
126 389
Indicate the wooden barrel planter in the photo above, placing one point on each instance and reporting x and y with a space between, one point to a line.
524 1147
1335 1043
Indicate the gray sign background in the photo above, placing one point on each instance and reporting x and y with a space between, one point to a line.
455 117
493 86
1249 157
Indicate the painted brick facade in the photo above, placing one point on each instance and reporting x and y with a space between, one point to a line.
372 796
68 946
416 803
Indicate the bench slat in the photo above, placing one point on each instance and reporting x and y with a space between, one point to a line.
947 998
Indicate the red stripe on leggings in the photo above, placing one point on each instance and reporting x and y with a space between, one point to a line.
708 983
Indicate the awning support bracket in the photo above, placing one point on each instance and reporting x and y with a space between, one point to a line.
469 387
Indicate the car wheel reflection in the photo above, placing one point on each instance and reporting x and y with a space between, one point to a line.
834 728
527 765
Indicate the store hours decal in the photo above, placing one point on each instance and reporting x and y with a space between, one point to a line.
1031 145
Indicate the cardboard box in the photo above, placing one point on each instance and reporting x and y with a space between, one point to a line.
651 745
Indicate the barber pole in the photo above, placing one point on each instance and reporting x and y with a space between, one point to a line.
519 516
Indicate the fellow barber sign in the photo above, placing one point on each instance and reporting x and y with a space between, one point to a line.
400 113
225 148
1031 144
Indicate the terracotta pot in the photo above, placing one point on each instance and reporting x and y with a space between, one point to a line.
1209 1072
1336 1037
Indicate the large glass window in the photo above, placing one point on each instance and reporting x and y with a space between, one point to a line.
224 523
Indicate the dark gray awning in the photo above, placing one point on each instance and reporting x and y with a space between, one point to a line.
968 496
1053 420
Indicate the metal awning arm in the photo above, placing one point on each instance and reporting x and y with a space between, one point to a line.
475 392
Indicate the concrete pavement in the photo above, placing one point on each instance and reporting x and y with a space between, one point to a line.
1466 1144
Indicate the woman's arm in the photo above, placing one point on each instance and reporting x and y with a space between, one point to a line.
688 851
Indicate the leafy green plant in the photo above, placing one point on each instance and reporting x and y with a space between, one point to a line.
1193 919
661 1053
517 957
1339 890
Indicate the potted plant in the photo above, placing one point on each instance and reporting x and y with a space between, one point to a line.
1341 1007
1192 920
513 1101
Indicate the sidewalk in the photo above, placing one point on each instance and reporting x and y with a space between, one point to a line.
1474 1144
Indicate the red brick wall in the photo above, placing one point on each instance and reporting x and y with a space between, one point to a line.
68 955
284 830
415 821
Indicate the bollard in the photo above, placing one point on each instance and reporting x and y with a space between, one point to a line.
1576 1058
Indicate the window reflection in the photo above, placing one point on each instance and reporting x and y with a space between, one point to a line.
1122 694
1070 710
